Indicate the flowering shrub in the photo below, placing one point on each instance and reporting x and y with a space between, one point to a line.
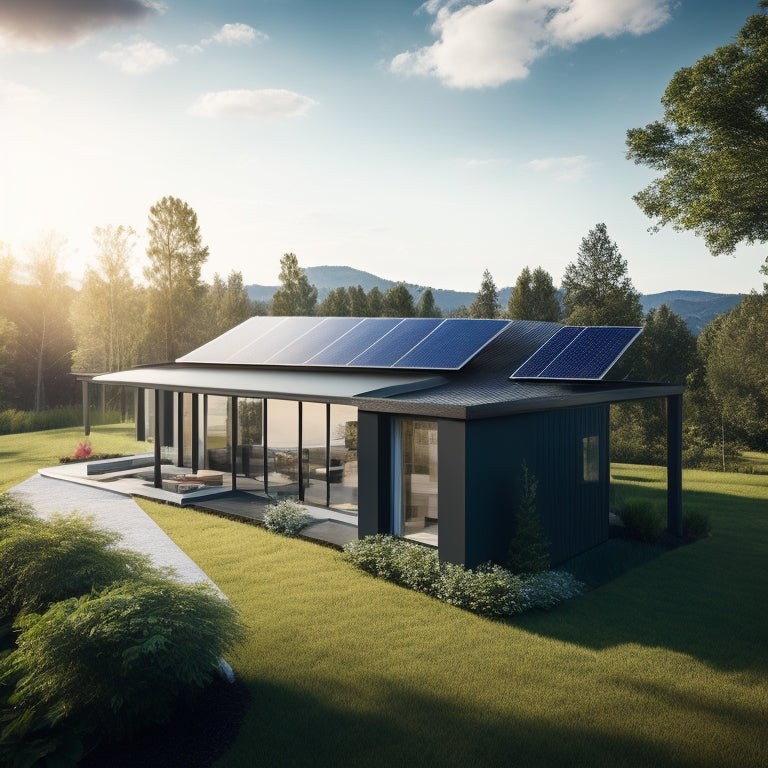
83 450
489 591
286 517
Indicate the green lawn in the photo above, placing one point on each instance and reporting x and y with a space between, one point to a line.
21 455
665 665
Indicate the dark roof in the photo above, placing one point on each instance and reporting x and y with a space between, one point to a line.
481 389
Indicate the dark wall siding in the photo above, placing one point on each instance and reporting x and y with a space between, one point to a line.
574 513
374 459
451 483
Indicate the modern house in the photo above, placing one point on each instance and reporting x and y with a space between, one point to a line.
418 427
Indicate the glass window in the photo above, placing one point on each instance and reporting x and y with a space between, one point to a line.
590 459
250 442
342 477
218 443
416 492
314 423
283 448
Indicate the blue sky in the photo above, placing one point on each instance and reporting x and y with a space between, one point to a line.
419 142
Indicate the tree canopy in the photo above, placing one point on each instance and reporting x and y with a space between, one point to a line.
711 146
486 303
534 297
296 295
176 255
397 302
598 290
426 306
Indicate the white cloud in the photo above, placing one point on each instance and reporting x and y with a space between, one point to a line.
266 104
137 58
570 168
40 24
237 34
489 43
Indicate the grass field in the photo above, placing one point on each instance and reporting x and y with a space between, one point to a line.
666 664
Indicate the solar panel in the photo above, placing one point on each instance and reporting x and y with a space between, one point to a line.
543 356
275 339
452 344
233 341
366 332
351 342
392 346
591 354
319 337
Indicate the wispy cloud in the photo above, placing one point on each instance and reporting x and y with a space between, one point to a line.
41 24
137 58
237 34
266 104
485 44
570 168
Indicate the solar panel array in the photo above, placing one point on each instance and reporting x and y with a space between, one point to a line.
575 353
351 342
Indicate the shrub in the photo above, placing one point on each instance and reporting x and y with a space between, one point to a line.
107 662
642 519
529 550
287 517
489 591
42 562
696 524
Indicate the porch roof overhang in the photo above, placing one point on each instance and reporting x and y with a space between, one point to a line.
319 386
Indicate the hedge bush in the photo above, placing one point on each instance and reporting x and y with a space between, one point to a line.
286 517
643 519
105 643
42 562
489 590
13 421
696 524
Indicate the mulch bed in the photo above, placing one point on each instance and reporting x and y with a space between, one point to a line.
196 736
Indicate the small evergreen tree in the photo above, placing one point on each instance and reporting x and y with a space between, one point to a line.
296 295
358 301
486 303
335 304
398 302
375 301
534 297
529 549
426 306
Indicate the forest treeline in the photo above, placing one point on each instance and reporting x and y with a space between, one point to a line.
113 322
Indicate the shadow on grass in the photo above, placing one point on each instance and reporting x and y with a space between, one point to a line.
708 599
404 726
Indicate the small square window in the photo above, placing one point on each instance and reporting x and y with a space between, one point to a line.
590 459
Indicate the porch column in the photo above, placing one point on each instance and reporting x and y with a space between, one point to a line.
179 429
140 415
86 412
234 443
195 433
675 465
158 474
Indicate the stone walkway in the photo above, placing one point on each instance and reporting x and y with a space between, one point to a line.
112 511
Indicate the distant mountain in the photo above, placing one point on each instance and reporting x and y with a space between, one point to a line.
697 308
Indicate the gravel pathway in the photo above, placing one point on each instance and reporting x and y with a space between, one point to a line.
111 511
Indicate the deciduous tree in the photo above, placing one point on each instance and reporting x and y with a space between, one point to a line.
106 315
176 254
296 295
598 290
227 304
710 147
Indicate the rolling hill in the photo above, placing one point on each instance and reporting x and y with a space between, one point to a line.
697 308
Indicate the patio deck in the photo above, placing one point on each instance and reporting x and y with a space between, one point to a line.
331 527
